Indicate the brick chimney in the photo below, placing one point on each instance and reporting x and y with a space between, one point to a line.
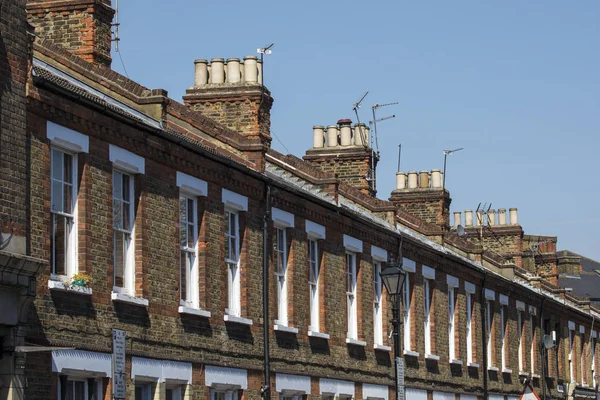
81 26
345 151
232 93
422 195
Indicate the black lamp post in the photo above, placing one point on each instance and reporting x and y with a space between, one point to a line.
393 279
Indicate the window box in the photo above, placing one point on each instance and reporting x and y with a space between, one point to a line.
381 347
125 298
237 320
356 342
63 287
284 328
194 311
319 335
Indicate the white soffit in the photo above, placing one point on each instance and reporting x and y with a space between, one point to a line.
336 387
314 230
379 254
67 138
226 376
234 200
375 391
353 244
192 185
64 361
282 219
294 383
126 160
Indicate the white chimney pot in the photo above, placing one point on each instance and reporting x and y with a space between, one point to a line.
233 70
250 69
318 136
400 180
413 180
468 218
217 66
514 216
200 72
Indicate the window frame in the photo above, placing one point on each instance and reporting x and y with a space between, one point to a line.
233 264
377 304
520 354
571 367
71 239
351 296
192 291
503 327
280 255
128 287
406 316
314 272
427 314
451 323
469 326
488 330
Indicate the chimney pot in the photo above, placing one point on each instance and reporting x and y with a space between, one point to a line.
259 66
480 218
345 132
457 218
200 72
436 179
400 180
468 218
413 180
318 136
250 69
491 217
332 136
361 135
502 216
233 70
514 217
217 67
424 179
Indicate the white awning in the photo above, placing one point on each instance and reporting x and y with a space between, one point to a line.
80 362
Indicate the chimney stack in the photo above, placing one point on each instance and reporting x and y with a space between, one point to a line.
232 93
81 26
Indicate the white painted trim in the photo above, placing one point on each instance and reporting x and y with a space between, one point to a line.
237 320
371 391
62 286
503 300
194 311
125 298
295 383
191 185
452 281
457 362
319 335
381 347
336 387
532 310
314 230
469 287
520 305
443 396
285 328
356 342
432 357
80 362
594 334
66 138
234 200
353 244
379 254
408 265
214 375
581 329
415 394
126 160
161 370
428 272
282 219
571 325
411 353
490 294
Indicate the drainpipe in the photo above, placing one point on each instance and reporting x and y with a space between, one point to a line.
543 349
265 390
484 336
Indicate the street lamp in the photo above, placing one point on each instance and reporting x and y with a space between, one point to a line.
393 279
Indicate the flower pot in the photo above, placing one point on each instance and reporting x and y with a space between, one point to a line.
79 282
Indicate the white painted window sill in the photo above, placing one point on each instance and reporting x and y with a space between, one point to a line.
194 311
523 373
381 347
493 369
506 371
319 335
125 298
535 376
63 287
356 342
237 320
284 328
432 357
457 362
473 365
411 353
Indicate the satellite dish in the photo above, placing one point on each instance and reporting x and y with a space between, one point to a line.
548 342
460 230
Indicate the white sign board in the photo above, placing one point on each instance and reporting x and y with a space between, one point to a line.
400 377
118 364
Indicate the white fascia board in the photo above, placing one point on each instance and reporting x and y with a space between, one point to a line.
428 272
282 219
226 376
408 265
126 160
490 294
314 230
67 138
353 244
379 254
571 325
520 305
234 200
191 185
503 300
469 287
292 383
336 387
452 281
88 362
371 391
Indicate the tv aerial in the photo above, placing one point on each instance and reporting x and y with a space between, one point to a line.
446 154
355 107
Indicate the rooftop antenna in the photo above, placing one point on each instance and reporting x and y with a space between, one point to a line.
374 140
355 107
446 154
262 51
399 155
115 37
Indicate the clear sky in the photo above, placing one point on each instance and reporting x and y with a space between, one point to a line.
516 83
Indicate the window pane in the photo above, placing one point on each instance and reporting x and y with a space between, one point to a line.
127 216
117 183
68 199
120 256
182 208
190 236
190 210
57 164
57 196
126 188
68 168
80 390
60 235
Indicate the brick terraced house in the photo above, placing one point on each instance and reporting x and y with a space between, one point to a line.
125 209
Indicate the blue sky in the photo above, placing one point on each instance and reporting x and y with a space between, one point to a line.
516 83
